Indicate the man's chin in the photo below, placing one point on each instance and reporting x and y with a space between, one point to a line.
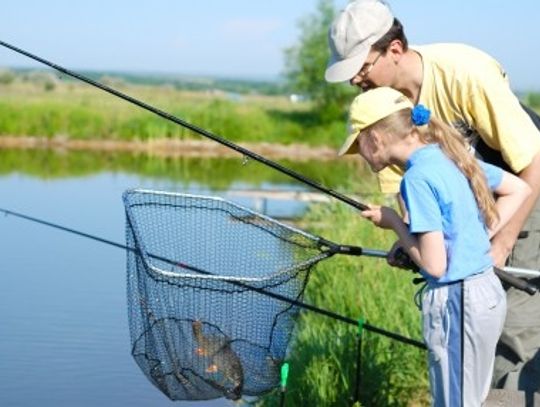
366 86
377 167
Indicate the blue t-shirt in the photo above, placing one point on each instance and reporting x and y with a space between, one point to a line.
438 197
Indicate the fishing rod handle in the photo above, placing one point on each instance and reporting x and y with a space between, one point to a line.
516 282
405 262
524 273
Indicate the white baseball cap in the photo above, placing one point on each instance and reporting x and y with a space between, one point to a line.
360 25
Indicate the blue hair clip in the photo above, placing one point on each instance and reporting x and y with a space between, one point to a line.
420 115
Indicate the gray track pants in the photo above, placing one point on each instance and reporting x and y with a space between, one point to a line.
462 322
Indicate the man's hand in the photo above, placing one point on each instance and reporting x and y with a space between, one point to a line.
501 247
505 239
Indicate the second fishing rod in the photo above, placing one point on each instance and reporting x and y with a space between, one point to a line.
511 280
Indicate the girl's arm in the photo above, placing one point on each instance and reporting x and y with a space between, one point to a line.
510 194
427 249
402 208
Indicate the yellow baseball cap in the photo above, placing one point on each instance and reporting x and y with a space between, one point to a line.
370 107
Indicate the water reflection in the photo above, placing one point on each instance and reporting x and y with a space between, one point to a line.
215 174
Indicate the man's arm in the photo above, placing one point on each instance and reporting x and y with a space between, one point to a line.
503 242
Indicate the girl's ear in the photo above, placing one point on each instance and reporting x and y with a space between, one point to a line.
376 138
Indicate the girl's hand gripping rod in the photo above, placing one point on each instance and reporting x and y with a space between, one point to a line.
402 260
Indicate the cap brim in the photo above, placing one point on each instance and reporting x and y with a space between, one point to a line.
344 70
346 148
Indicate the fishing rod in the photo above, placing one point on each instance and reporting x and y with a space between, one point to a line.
504 276
196 129
350 250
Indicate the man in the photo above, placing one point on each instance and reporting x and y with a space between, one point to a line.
469 90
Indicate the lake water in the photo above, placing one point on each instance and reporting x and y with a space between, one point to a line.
64 337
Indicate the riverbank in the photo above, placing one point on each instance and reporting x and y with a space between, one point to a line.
169 148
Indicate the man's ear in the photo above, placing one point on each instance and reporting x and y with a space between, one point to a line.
395 49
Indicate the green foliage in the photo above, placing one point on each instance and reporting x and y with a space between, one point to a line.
533 100
49 86
306 63
6 76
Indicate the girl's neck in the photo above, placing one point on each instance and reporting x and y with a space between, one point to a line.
401 150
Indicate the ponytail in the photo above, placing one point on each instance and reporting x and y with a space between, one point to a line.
455 147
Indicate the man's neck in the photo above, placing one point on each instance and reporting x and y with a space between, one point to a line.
410 75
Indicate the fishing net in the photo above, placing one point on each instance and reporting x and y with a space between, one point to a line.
201 275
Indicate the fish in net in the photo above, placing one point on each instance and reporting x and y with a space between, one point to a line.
204 280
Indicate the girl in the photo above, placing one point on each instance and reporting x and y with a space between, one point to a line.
451 215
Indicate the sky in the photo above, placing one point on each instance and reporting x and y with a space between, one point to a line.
244 38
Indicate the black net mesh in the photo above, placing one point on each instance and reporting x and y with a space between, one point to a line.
199 327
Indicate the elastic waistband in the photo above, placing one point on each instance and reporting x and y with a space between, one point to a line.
481 274
434 284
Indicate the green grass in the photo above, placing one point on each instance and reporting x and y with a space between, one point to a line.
322 353
77 110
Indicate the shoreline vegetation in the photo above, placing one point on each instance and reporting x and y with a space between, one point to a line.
42 110
169 148
41 105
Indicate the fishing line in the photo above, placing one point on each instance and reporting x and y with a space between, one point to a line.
351 250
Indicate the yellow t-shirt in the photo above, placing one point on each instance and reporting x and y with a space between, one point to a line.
468 89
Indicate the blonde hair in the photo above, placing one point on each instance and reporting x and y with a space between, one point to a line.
453 145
